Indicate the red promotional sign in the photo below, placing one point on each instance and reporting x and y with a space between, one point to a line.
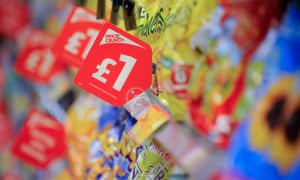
77 36
14 16
117 68
40 140
36 61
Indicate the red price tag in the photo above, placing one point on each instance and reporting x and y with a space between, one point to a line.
77 36
36 61
118 67
40 141
14 16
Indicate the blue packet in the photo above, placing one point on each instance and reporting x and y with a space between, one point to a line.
267 144
112 153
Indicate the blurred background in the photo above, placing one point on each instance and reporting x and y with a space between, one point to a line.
224 101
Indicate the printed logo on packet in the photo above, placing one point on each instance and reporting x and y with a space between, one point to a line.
40 140
180 78
118 67
139 105
36 61
77 36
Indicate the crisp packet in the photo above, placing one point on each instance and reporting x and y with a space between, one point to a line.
111 153
250 28
150 113
222 82
174 78
178 56
196 156
81 127
269 137
154 118
190 16
152 21
64 174
153 162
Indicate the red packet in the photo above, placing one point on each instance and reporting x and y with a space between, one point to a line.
36 61
14 16
118 67
40 141
77 36
139 105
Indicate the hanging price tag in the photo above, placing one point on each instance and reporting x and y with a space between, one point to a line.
77 36
40 141
36 61
14 16
118 67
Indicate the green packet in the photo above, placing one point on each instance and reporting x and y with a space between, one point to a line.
154 162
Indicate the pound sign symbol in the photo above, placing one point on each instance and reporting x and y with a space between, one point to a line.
102 69
74 42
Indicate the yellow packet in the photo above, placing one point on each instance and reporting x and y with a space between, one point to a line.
63 175
201 14
177 107
174 77
81 124
153 162
177 50
152 20
153 119
191 16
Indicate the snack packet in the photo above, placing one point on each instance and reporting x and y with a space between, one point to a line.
81 127
268 138
111 153
153 162
222 82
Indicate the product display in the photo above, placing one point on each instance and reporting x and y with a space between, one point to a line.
149 90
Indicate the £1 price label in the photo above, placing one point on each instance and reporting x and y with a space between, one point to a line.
118 67
36 61
40 141
77 36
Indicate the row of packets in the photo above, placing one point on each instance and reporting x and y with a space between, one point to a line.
220 126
